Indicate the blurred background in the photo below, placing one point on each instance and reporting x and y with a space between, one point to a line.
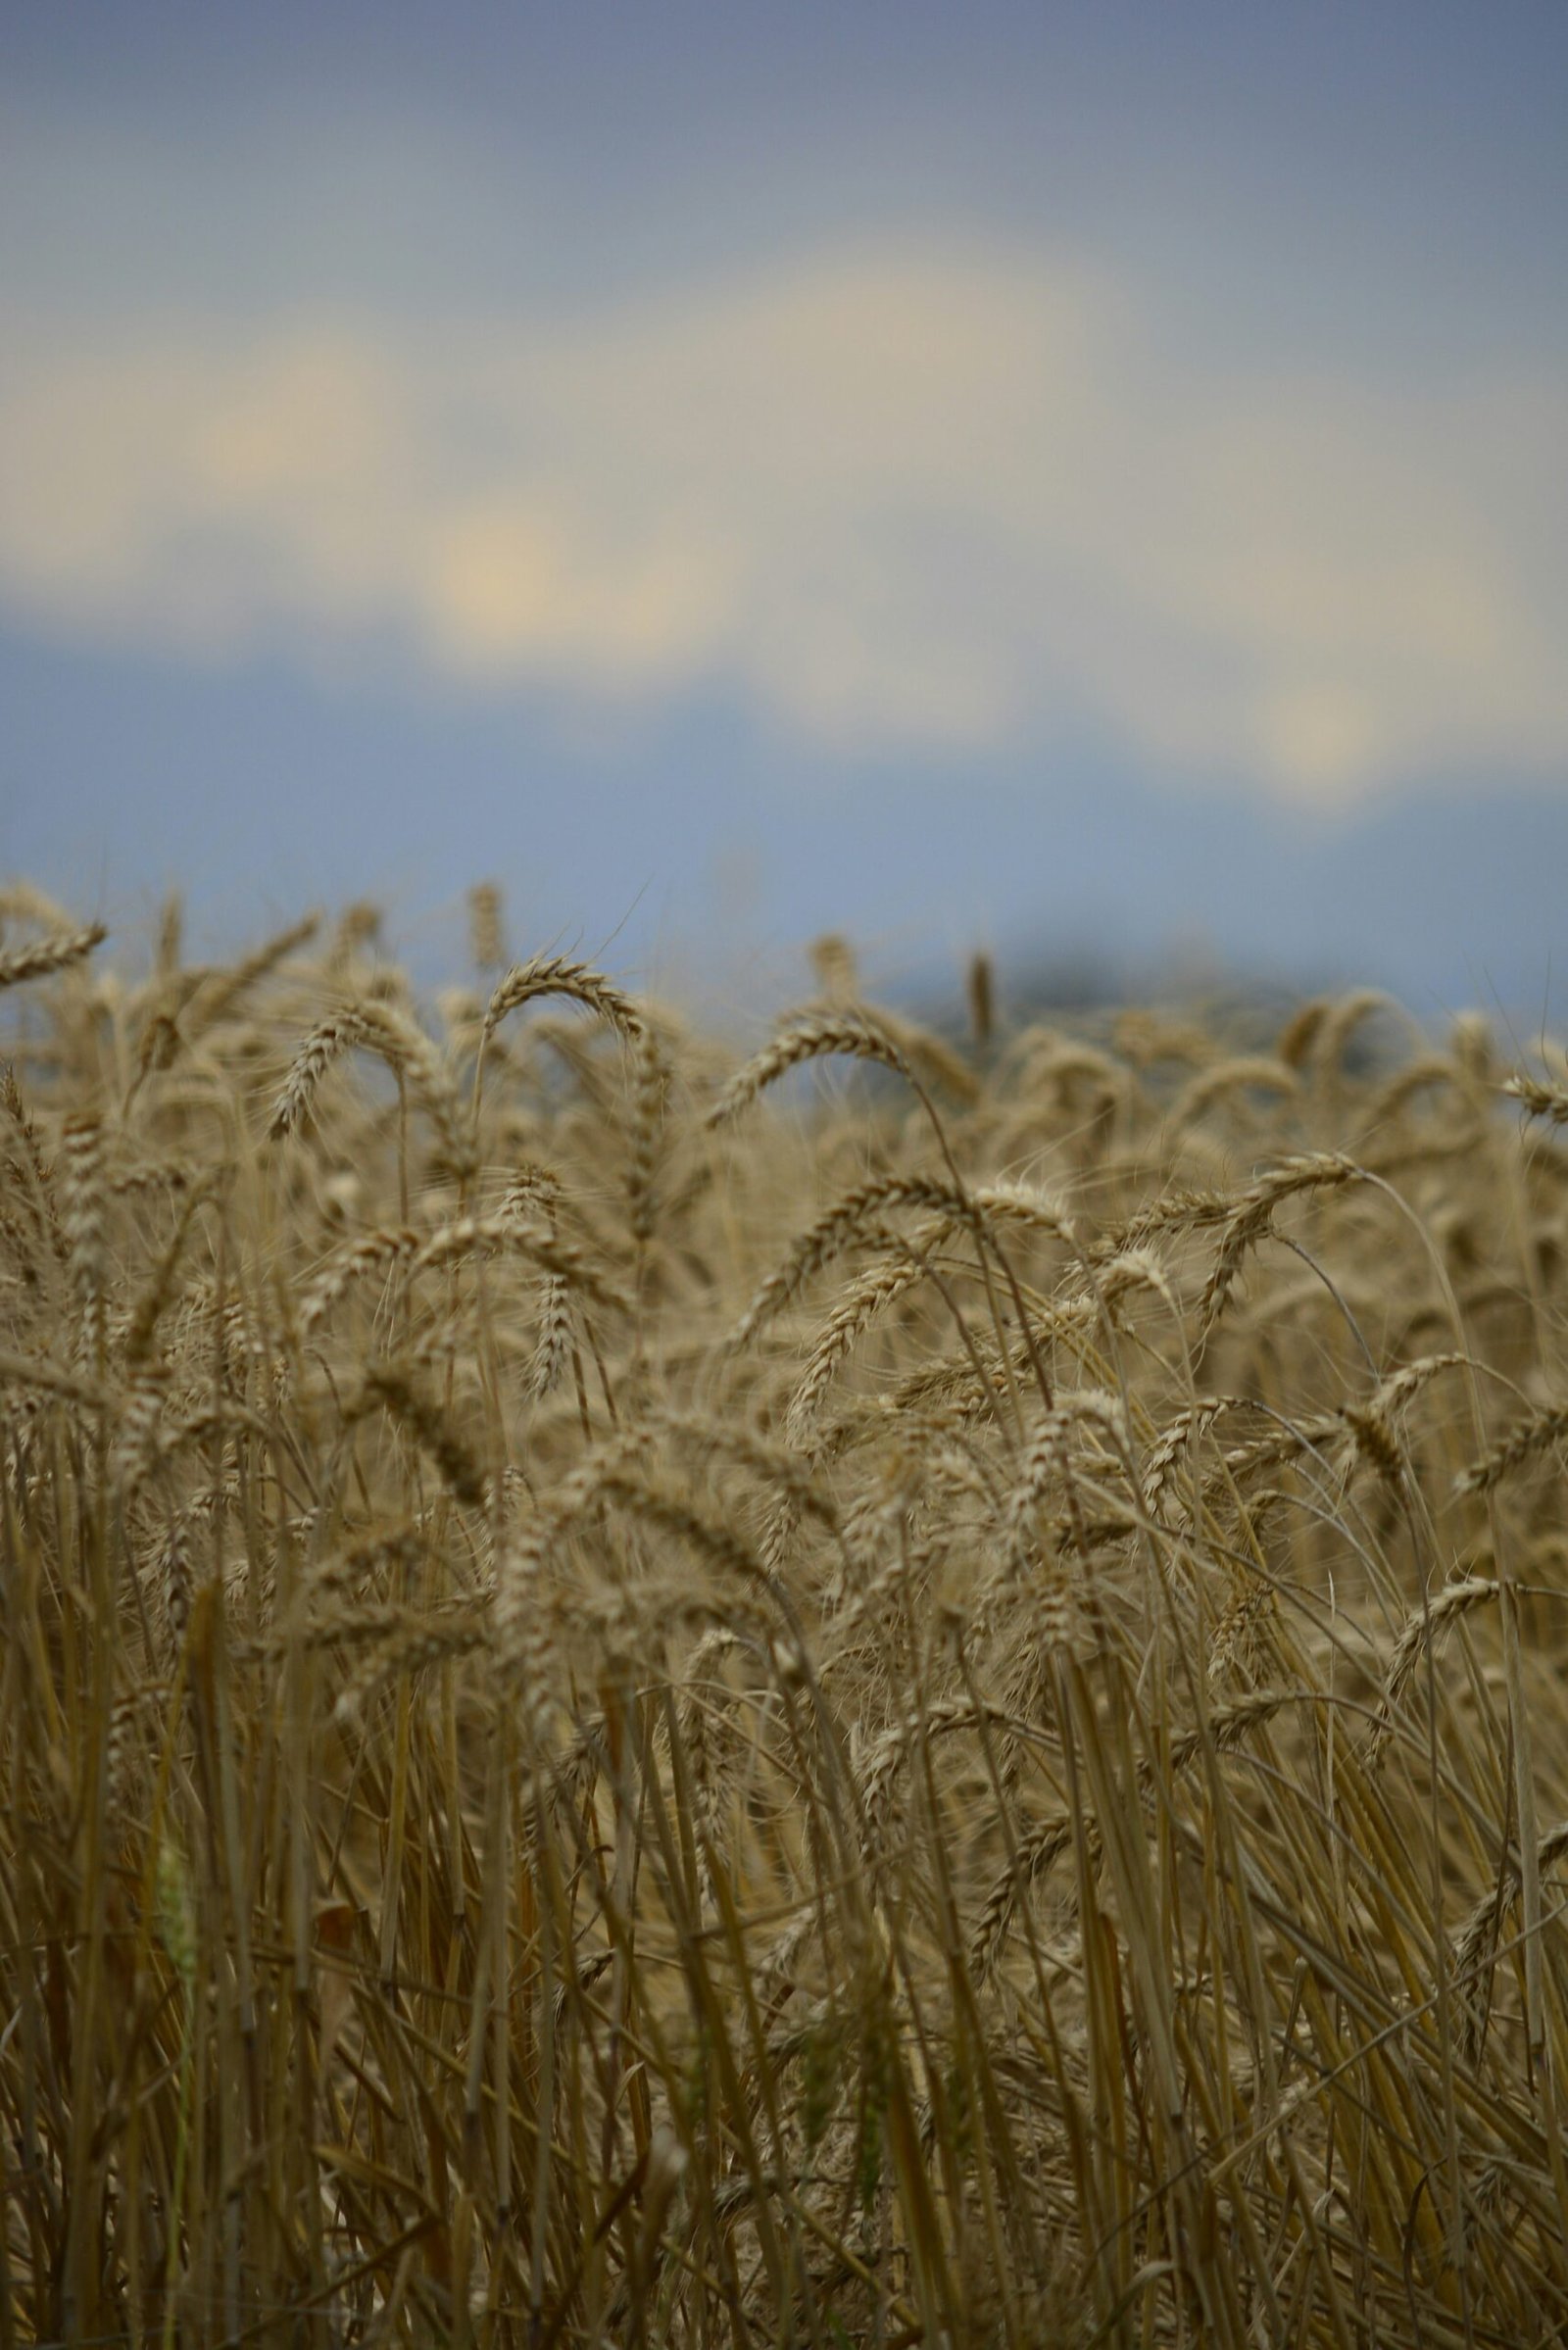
1081 482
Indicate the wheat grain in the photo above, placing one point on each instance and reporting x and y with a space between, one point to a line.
326 1041
60 952
1524 1441
811 1037
580 1729
1248 1219
1541 1099
1415 1637
390 1386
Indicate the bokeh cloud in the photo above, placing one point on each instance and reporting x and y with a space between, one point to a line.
957 494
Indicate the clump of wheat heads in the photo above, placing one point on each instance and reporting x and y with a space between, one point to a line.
632 1716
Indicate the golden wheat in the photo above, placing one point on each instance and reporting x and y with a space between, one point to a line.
870 1724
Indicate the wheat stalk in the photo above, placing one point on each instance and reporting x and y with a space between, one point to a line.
61 951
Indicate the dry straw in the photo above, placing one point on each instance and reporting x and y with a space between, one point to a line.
60 952
635 1713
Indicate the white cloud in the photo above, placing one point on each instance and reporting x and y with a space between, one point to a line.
901 498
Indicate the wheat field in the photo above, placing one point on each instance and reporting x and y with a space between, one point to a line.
909 1691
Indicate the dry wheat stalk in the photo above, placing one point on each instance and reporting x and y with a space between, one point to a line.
1174 1441
24 901
327 1038
84 1221
811 1037
516 1785
140 1413
1133 1269
1474 1946
391 1244
390 1387
524 1646
881 1764
1415 1637
413 1647
1525 1439
1037 1854
1248 1073
60 952
559 975
1541 1100
484 925
868 1297
1249 1218
1045 1843
1048 1457
553 1348
837 1229
217 997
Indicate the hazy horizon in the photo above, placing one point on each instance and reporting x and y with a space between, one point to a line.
1088 482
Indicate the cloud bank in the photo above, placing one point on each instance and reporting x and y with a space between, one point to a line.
901 497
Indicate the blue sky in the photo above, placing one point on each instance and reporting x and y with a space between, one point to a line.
1085 478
